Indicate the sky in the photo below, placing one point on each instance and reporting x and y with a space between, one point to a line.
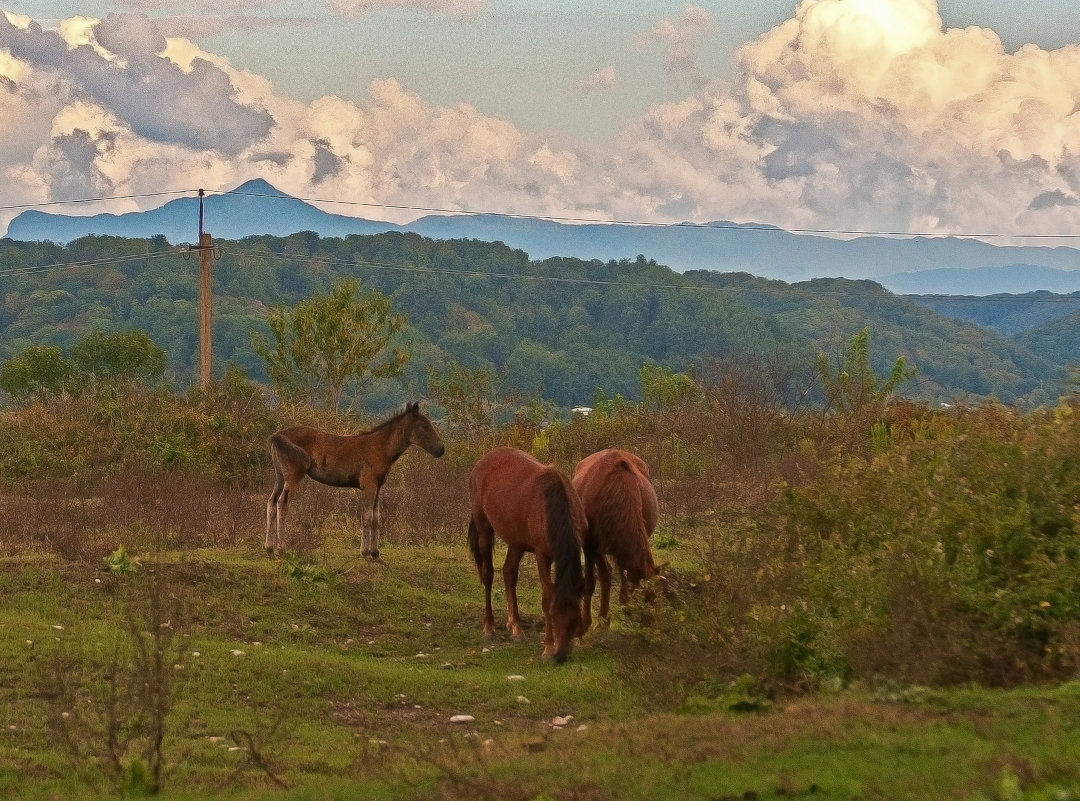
909 116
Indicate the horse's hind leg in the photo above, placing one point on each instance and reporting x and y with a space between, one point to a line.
278 498
604 569
594 564
482 545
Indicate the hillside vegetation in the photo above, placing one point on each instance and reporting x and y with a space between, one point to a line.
559 329
873 599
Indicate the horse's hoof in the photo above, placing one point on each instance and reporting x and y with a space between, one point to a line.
270 551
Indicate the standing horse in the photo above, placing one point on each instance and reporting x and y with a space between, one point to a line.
358 460
620 503
531 507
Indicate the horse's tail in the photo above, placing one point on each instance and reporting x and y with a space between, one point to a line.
474 543
565 545
281 447
622 508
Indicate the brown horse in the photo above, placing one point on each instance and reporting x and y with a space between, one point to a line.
358 460
620 503
532 508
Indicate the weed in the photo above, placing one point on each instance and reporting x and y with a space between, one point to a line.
119 561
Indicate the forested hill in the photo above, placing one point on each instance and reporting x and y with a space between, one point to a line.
558 328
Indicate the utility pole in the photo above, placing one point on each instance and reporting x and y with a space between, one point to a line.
206 287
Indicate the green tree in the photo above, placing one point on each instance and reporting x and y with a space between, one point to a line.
854 393
663 389
852 387
40 371
124 357
467 396
328 344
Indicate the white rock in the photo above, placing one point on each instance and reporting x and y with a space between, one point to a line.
515 677
462 719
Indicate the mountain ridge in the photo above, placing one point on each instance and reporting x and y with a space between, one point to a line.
915 265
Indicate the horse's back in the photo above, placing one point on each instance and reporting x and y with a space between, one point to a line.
509 488
612 470
500 485
309 437
610 483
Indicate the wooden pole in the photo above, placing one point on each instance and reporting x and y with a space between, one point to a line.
206 289
206 257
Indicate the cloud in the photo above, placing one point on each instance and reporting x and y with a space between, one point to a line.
1048 200
453 9
598 81
868 114
851 115
680 39
121 70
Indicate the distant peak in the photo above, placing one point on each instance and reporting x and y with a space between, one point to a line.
257 186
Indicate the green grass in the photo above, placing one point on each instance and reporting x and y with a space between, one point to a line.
334 678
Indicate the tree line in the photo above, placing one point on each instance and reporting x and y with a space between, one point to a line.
561 330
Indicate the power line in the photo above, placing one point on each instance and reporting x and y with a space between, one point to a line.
413 268
105 261
328 261
723 226
47 203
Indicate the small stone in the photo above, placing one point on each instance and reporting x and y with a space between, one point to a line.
560 721
462 719
515 677
521 699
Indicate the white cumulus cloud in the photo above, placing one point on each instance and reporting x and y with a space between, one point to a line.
851 115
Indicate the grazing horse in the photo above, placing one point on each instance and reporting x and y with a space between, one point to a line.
357 460
531 507
620 503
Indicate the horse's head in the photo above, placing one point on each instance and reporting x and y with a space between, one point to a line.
422 432
566 624
642 575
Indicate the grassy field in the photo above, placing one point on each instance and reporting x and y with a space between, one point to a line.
328 677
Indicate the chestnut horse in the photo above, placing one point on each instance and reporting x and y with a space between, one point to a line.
358 460
620 503
533 508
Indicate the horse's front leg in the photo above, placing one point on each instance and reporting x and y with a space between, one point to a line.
369 541
510 578
547 598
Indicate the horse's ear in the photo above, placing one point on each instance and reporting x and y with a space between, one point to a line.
412 407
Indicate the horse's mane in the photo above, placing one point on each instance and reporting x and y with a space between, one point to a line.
393 418
564 543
